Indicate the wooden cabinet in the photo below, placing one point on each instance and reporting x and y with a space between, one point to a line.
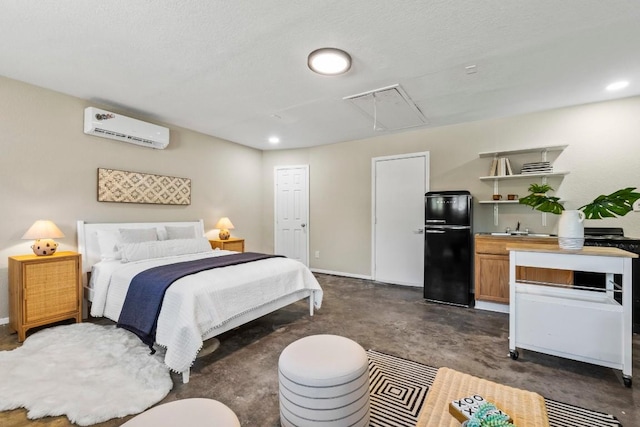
231 244
44 290
492 267
492 277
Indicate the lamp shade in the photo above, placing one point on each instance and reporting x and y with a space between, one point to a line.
224 224
43 229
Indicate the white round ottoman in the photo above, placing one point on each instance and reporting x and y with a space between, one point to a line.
186 412
324 381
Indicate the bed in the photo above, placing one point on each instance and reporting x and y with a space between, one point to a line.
196 307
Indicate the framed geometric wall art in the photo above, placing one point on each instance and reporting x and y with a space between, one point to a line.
136 187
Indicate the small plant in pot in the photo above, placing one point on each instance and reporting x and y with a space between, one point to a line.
570 227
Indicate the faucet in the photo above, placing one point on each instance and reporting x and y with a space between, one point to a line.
517 230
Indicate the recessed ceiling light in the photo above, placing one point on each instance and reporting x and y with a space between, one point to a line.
274 139
471 69
329 61
618 85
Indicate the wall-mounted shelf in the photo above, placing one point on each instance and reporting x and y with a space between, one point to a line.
503 202
498 202
523 175
496 178
522 151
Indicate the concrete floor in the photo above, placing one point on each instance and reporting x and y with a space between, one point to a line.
396 320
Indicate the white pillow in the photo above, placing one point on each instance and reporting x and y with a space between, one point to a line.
162 233
108 241
164 248
137 235
174 232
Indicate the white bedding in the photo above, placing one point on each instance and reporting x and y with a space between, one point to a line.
195 305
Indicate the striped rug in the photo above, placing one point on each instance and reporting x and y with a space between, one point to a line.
399 387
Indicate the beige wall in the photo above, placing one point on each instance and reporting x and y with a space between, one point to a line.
603 153
48 170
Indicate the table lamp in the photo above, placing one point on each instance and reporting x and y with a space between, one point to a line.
224 225
43 231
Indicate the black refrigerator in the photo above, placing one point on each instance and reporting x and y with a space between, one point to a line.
448 247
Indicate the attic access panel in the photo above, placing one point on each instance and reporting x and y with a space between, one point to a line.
390 108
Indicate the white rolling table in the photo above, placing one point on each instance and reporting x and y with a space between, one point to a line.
574 322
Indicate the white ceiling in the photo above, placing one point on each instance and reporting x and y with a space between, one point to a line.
237 69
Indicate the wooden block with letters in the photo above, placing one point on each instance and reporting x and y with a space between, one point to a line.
463 409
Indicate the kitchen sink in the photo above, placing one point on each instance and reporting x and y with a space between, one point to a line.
520 234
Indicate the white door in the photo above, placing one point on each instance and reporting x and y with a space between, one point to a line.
399 185
292 212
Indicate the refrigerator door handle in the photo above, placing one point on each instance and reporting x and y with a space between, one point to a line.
448 227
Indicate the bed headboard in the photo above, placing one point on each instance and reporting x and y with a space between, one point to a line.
88 238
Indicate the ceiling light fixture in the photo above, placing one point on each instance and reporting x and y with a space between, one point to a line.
329 61
274 139
617 85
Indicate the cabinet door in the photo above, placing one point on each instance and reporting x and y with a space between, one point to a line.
492 278
237 246
50 289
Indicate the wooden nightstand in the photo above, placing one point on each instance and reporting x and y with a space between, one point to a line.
231 244
44 290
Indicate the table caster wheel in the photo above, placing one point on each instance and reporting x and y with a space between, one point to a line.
626 381
513 354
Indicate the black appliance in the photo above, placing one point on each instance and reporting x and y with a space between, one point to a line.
614 237
448 247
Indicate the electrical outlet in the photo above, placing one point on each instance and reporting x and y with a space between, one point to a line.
636 206
317 254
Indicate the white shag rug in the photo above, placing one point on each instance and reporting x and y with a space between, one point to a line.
88 372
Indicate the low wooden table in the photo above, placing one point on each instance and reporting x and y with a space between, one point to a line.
525 407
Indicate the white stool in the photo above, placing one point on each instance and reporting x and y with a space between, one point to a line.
324 381
186 412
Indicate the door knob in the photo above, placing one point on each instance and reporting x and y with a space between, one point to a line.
303 225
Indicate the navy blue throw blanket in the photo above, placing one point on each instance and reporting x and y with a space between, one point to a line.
144 298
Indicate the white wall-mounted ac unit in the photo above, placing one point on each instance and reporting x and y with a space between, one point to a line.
115 126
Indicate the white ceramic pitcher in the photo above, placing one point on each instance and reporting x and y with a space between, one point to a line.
571 230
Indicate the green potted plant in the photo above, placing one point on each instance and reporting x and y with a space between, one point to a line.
618 203
570 227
